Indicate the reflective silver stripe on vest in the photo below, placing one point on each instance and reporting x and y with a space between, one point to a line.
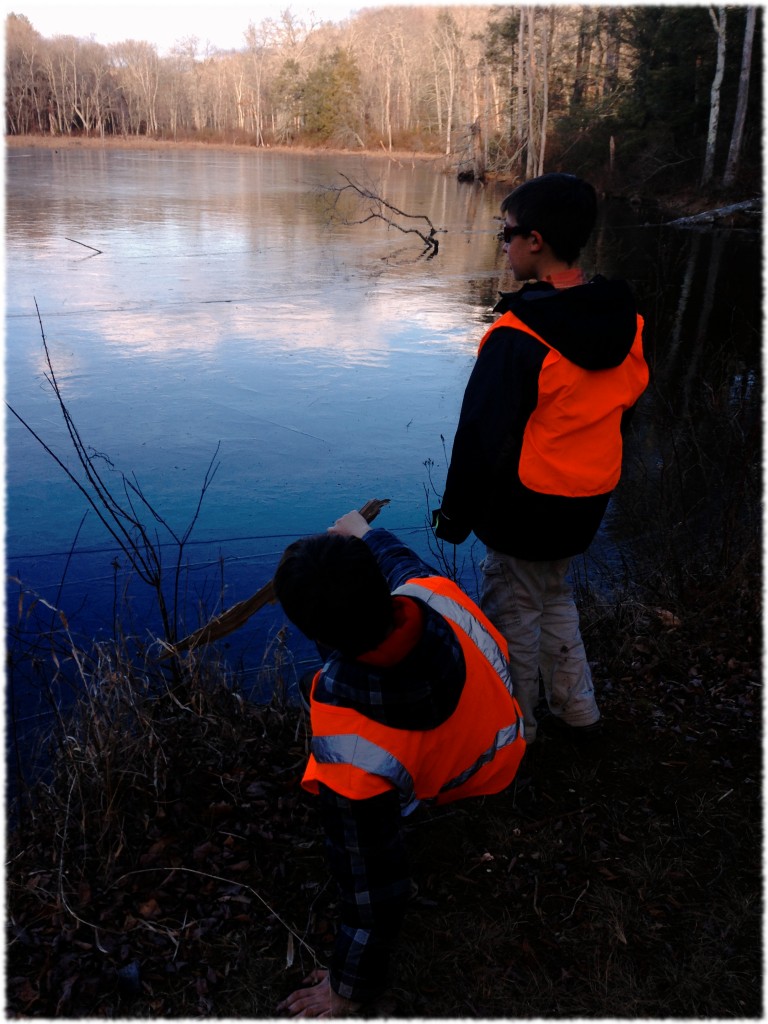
368 757
472 626
503 738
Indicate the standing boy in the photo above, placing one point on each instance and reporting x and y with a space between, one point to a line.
413 705
538 446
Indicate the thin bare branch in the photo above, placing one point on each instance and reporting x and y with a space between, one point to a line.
380 209
98 251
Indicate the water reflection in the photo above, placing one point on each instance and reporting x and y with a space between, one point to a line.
326 359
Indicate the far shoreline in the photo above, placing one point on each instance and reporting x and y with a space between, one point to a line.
146 142
685 202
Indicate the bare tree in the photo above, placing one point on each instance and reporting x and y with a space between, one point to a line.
611 23
87 83
25 85
260 42
583 57
173 92
520 121
741 105
55 63
547 32
380 83
719 18
140 69
537 86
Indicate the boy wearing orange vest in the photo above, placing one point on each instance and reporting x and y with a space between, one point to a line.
414 704
538 446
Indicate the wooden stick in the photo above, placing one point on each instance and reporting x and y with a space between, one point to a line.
85 245
236 616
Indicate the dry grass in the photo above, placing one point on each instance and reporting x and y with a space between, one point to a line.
170 865
232 142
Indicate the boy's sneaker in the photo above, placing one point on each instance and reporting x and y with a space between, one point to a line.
552 725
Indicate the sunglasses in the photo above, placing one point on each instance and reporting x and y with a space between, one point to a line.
508 232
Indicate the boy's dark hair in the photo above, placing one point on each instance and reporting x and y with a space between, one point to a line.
331 587
561 207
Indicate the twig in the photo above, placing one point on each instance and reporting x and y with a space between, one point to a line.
573 908
85 245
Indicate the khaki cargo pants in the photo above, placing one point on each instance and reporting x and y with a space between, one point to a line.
532 605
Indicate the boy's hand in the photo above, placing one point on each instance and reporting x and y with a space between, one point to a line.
350 525
318 1001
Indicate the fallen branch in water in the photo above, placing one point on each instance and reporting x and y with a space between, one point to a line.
380 209
85 245
747 206
236 616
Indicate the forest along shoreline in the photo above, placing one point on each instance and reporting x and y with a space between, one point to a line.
649 99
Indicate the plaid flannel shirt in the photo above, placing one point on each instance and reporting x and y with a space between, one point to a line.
364 838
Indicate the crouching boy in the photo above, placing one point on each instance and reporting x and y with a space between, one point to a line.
414 705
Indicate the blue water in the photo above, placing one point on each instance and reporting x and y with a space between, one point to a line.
228 315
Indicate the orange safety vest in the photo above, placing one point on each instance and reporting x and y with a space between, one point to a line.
572 444
476 751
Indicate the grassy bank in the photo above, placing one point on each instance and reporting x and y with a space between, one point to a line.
172 866
233 142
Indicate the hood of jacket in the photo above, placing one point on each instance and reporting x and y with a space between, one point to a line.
593 324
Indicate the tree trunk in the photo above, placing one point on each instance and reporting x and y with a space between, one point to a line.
521 89
449 115
719 19
583 58
438 104
612 51
530 156
732 163
478 152
388 108
548 32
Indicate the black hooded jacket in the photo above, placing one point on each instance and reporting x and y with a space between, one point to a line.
594 326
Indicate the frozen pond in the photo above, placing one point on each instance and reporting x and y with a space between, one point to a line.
201 304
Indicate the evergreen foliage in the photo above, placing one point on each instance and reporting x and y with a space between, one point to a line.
332 98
